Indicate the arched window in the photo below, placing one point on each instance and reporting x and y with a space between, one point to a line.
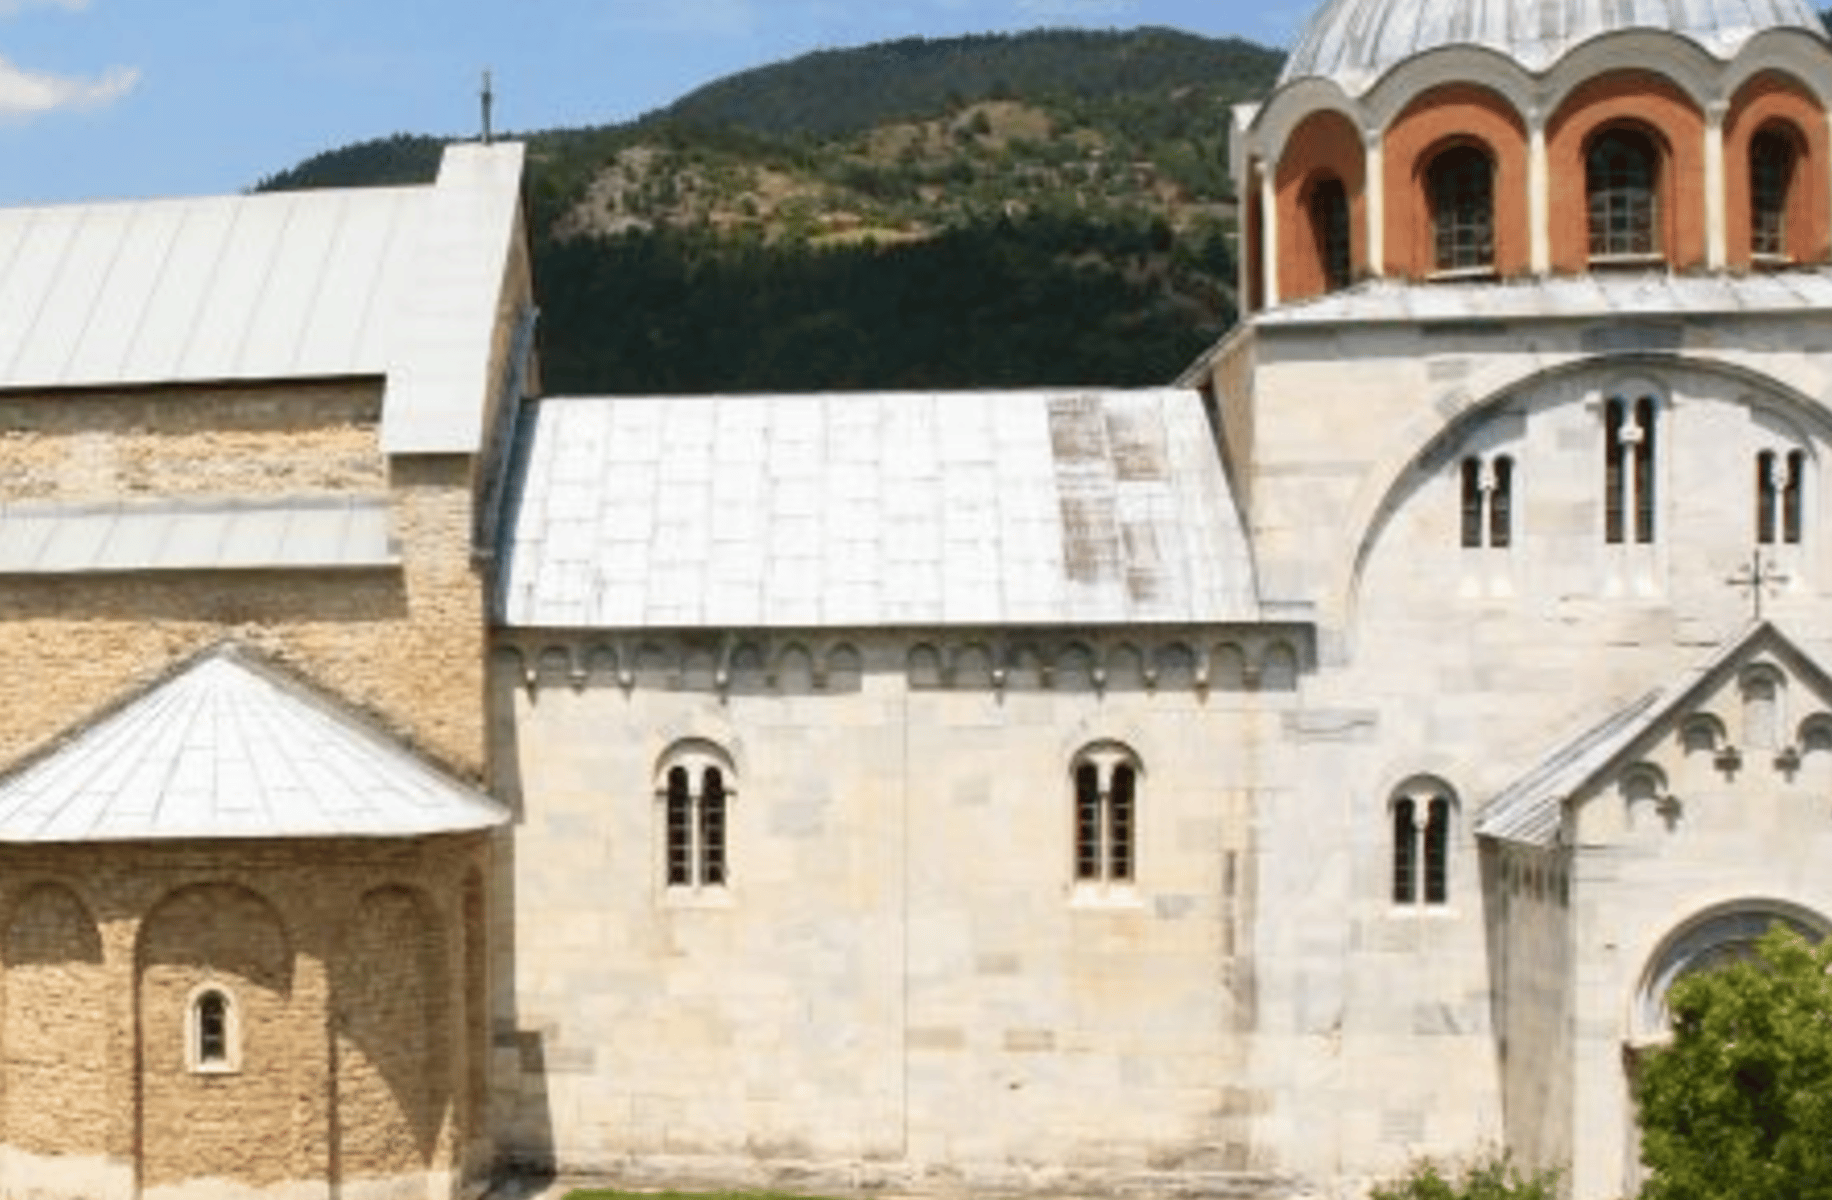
1488 501
1462 185
1329 222
1772 159
695 797
1778 503
1621 173
1106 815
1629 481
1422 813
211 1032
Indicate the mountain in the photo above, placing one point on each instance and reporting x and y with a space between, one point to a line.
1042 208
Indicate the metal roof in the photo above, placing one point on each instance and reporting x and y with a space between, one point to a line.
230 749
873 509
1355 42
398 282
329 532
1578 296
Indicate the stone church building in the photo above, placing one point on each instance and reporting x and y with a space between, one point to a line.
1239 786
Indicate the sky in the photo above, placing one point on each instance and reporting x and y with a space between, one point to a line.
110 99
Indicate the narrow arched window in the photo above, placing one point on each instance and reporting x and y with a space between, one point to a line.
1778 497
1423 815
695 799
212 1015
1106 815
1771 178
1462 209
1630 483
1620 178
1488 501
1792 517
1329 221
1501 503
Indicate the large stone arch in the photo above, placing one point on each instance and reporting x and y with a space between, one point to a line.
237 1127
393 1121
56 1110
1414 447
1705 939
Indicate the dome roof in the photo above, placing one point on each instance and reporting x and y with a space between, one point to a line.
1354 42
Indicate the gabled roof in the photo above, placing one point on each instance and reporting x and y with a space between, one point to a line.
1531 810
396 282
873 509
228 748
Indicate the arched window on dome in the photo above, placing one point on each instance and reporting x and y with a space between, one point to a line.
1462 186
1328 205
1621 187
1773 158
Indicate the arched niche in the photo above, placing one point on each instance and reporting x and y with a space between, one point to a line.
54 1037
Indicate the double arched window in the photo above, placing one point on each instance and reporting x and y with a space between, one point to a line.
1106 815
695 795
1488 501
1462 187
1772 161
1328 205
1778 496
1629 480
1621 186
1422 812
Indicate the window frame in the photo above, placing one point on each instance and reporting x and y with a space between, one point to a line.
1462 219
1629 230
694 791
1632 417
1423 816
1104 782
1326 205
228 1060
1769 197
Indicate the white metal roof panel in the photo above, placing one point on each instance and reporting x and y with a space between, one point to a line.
318 533
873 509
229 748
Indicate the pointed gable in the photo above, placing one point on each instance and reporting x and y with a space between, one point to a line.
1531 811
228 748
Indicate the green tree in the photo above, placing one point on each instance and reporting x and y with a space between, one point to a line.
1740 1103
1494 1177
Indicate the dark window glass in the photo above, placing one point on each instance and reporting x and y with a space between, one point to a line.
1612 472
1765 498
1329 215
1472 501
1463 209
679 821
1087 822
1405 853
1119 825
712 828
1771 173
1437 852
212 1028
1619 178
1644 471
1791 516
1501 504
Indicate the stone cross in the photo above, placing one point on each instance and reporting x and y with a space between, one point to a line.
1756 576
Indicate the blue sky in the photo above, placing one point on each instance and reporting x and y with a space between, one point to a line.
125 98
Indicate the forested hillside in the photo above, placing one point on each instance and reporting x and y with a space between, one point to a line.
1045 208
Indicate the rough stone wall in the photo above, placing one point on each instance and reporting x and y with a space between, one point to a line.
301 936
378 637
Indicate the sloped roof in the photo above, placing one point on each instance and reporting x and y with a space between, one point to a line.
230 749
873 509
396 282
1355 42
1531 810
191 535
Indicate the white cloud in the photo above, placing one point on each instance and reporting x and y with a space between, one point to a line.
26 93
9 7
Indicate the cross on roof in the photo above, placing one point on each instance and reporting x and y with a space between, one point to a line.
1755 577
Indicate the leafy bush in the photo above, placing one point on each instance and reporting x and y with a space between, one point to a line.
1493 1177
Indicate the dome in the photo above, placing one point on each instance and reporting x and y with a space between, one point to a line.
1355 42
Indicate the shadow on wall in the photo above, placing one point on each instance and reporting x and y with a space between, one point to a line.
517 1105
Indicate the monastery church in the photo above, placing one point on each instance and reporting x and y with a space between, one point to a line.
1240 786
